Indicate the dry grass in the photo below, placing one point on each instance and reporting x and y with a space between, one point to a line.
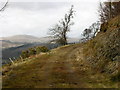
60 69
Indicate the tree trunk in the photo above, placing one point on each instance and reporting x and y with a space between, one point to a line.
65 39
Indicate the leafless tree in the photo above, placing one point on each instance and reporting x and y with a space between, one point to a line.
59 31
91 32
105 11
101 12
109 10
116 8
87 33
95 27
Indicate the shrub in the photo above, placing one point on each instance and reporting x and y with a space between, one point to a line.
32 51
25 54
38 50
42 49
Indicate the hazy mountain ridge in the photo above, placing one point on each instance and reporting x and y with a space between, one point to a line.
9 44
18 40
22 38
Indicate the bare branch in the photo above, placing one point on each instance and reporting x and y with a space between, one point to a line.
59 31
5 5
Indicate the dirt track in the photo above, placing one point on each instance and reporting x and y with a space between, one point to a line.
59 69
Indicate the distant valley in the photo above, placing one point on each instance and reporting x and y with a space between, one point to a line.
14 45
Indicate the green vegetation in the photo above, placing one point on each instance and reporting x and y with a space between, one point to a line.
33 51
25 54
42 49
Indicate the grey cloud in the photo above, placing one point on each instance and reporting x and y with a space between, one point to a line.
37 5
35 18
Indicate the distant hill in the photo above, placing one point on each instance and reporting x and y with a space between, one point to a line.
22 38
8 44
17 40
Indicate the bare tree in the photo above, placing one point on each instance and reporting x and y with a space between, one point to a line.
87 33
91 32
108 10
116 8
4 6
59 31
105 11
95 27
101 12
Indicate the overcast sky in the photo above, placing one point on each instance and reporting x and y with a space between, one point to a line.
35 18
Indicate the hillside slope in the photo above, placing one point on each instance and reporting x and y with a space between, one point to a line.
103 52
93 64
60 68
